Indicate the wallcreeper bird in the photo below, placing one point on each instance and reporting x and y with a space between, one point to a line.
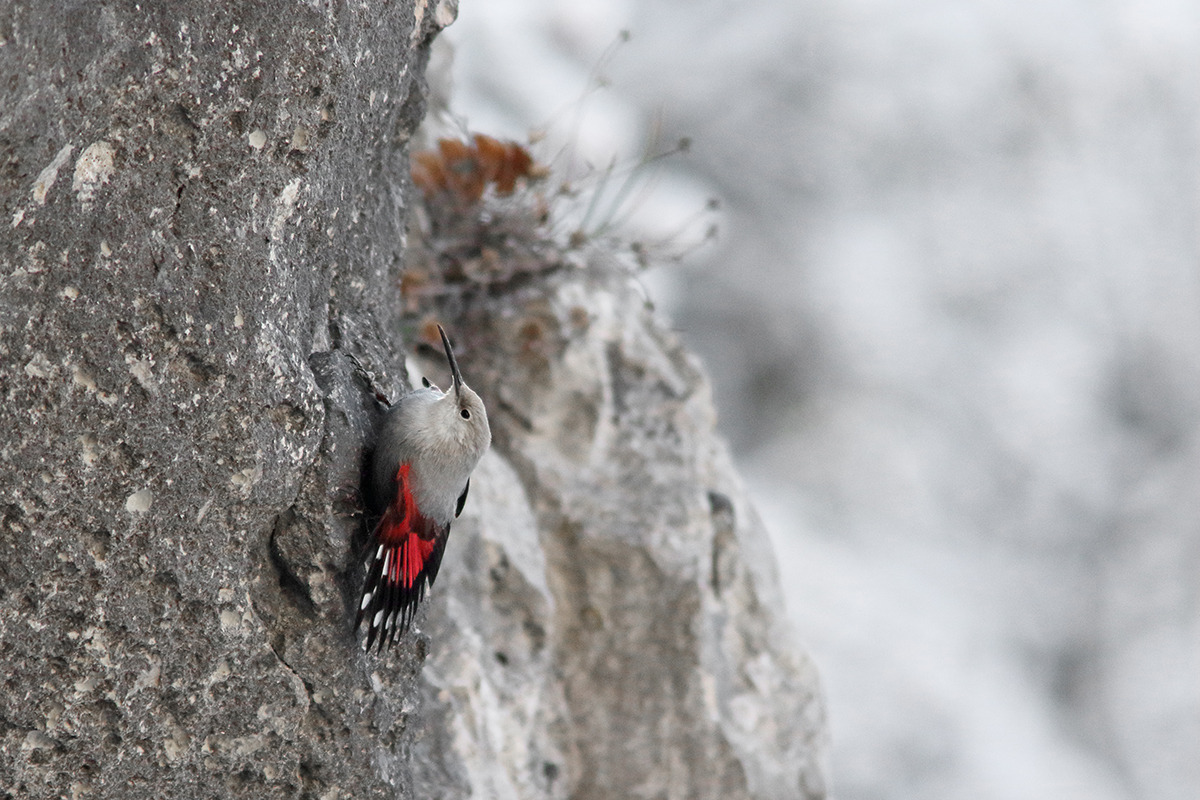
431 440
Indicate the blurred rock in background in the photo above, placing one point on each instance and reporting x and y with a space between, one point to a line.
952 320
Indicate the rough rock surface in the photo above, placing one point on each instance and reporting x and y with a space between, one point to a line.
202 242
201 220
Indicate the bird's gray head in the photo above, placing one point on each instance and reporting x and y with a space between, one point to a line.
456 421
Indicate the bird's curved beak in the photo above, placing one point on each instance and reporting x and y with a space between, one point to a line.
458 381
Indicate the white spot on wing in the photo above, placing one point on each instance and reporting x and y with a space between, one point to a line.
378 618
366 601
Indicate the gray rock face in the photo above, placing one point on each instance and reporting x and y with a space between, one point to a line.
199 273
201 219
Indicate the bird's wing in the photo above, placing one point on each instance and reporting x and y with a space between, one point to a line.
406 551
462 500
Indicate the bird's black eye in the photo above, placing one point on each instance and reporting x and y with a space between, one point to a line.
465 414
425 382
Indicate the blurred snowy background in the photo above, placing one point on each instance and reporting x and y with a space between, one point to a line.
953 319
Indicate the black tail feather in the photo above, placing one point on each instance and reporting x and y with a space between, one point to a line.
388 606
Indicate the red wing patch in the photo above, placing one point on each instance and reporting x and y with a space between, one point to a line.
406 553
